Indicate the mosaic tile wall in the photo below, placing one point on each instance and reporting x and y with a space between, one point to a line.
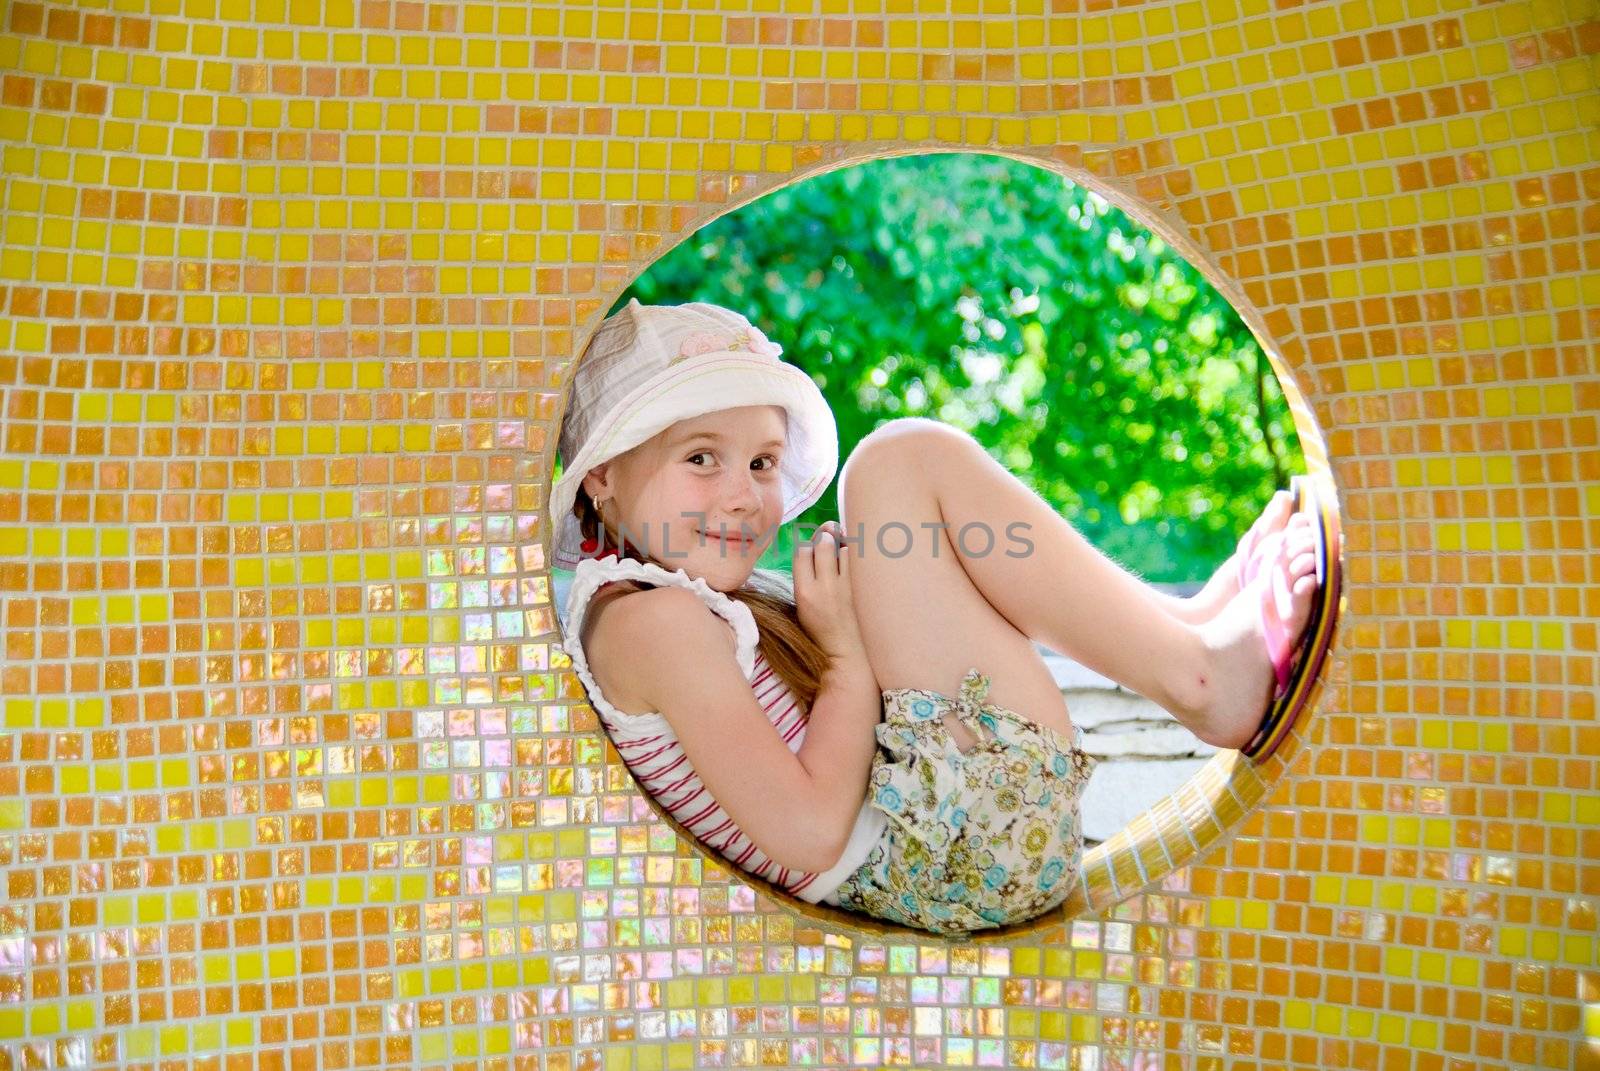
292 774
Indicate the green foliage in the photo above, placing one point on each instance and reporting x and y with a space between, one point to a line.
995 296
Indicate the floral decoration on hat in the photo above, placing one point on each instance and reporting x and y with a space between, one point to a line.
748 340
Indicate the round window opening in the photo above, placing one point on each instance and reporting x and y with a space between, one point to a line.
1021 551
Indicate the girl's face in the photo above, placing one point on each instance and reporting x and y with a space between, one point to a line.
674 496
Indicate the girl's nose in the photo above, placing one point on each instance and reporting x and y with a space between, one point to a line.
745 492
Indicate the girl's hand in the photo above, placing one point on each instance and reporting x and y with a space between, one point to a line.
822 592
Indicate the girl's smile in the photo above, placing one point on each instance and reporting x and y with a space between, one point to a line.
741 535
732 540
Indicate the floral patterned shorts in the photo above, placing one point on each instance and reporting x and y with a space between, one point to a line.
976 840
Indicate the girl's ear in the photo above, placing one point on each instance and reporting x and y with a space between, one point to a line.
597 480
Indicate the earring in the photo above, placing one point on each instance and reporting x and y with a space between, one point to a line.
590 546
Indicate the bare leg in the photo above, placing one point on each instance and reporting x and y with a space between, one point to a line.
1042 577
922 622
928 613
1188 610
1056 587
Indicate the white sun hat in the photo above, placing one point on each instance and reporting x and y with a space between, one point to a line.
650 366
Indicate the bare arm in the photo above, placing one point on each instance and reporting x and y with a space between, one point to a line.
677 656
840 742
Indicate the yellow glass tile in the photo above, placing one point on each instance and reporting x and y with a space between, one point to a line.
242 424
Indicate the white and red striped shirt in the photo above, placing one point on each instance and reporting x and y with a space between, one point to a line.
652 750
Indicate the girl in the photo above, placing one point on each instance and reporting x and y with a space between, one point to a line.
839 737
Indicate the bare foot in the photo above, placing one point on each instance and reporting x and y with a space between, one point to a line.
1242 680
1224 584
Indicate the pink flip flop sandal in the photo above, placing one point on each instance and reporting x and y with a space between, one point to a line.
1295 673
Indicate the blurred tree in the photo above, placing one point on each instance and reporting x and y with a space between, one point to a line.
998 297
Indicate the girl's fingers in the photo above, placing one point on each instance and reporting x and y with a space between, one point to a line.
823 556
827 553
828 566
805 566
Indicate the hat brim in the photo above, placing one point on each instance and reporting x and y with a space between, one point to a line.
693 387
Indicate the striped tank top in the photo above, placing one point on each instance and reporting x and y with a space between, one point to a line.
653 753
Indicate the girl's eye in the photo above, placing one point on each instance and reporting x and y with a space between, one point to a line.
707 453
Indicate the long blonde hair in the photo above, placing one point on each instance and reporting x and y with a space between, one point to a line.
789 649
